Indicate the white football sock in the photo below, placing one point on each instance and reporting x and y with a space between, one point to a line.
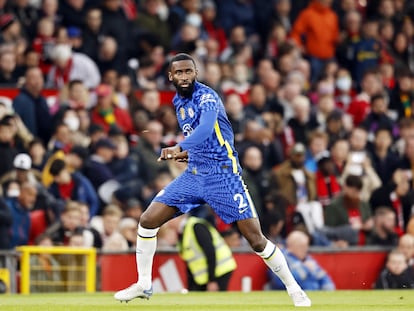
275 260
146 246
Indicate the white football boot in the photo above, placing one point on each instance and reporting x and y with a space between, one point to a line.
132 292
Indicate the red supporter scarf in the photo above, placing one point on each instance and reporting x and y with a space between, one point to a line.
62 75
327 188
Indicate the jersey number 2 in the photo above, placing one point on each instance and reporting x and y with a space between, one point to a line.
243 206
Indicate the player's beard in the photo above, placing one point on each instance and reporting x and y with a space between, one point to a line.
185 91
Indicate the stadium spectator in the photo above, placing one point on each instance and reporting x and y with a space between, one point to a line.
8 149
396 274
348 217
255 176
128 229
384 158
92 33
402 95
383 232
327 185
45 269
340 153
319 25
125 92
96 168
236 114
200 238
303 121
68 65
6 220
406 246
108 226
20 207
378 117
359 164
72 186
318 143
9 72
211 26
309 274
367 51
72 12
152 22
297 185
238 83
32 107
148 151
22 171
117 25
371 84
107 114
69 224
44 42
109 58
395 194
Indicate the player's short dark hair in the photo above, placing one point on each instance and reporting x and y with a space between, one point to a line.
56 167
179 57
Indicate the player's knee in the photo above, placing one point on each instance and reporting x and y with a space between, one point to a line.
146 222
257 242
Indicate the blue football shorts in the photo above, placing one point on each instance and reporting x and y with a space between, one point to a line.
226 193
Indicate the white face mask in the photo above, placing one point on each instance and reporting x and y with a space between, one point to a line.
344 83
13 193
73 123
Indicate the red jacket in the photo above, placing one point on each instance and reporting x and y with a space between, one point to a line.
122 120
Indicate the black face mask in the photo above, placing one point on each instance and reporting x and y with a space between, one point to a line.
185 92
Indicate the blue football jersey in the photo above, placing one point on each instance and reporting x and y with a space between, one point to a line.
217 153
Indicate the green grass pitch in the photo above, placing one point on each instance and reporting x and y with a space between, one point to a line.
229 301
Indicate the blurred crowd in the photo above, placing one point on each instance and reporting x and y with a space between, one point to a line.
320 95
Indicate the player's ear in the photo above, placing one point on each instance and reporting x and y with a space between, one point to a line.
170 77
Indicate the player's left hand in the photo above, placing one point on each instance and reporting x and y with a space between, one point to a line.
170 153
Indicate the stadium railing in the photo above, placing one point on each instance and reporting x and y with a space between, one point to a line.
57 268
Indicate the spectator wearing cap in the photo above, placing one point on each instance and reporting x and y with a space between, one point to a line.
22 171
32 107
107 114
75 38
96 168
68 66
327 185
10 28
72 186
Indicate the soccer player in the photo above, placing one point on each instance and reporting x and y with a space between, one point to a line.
213 176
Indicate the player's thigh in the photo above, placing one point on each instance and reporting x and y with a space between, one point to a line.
156 215
182 193
229 197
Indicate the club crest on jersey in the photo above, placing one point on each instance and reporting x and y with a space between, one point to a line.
182 113
187 130
191 112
